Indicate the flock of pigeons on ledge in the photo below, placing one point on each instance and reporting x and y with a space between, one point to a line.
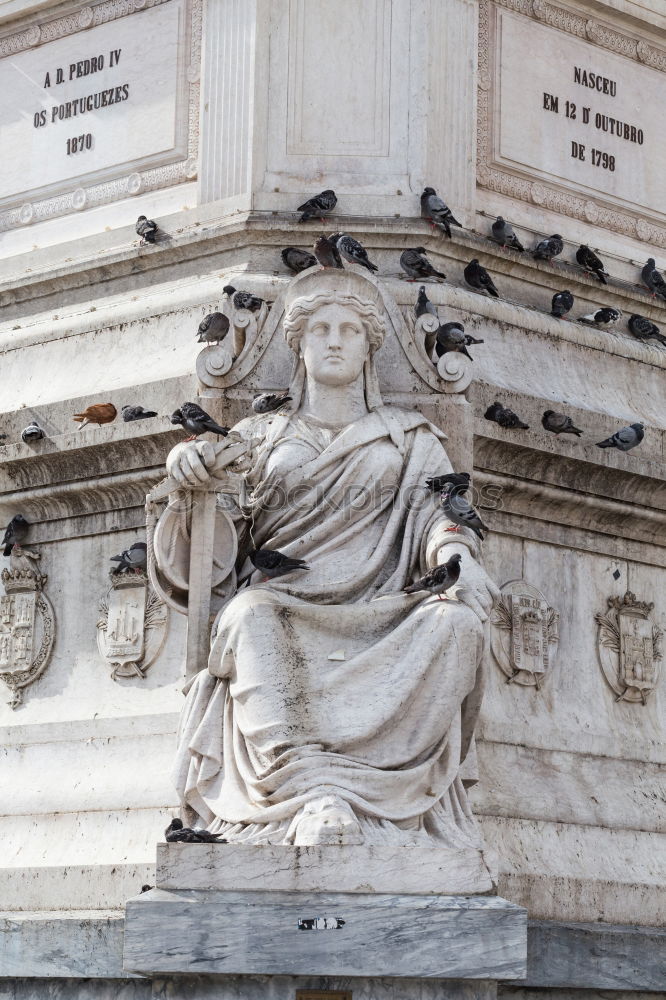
330 251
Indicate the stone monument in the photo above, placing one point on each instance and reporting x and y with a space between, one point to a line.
333 730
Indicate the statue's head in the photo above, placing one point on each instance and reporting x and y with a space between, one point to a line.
333 322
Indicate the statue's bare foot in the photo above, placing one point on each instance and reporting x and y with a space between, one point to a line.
328 820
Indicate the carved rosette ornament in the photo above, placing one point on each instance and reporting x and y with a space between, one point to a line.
525 634
27 624
132 626
629 644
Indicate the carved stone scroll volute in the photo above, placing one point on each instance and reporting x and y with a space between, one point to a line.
132 625
525 634
27 624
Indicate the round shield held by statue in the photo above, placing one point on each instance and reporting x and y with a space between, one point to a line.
172 545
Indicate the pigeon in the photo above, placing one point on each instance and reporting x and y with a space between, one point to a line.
352 250
33 432
438 580
644 329
98 413
243 300
653 279
559 423
460 511
477 277
269 401
273 563
176 833
437 211
136 413
548 248
327 253
562 304
213 328
15 533
624 439
297 260
601 317
134 558
424 305
320 206
589 261
416 265
504 235
458 480
146 229
196 421
451 337
505 417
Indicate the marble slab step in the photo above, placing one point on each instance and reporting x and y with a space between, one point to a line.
412 870
310 933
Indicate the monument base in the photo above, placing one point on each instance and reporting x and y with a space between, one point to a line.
275 912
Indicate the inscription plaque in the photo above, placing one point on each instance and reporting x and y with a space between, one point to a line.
565 122
96 104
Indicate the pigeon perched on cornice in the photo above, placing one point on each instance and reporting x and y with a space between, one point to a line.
352 250
416 265
437 211
438 580
504 235
653 279
458 480
559 423
267 402
460 511
213 328
589 261
136 413
562 304
601 318
134 559
424 305
273 563
196 421
548 248
451 338
297 260
625 439
33 432
98 413
327 253
320 206
478 278
146 229
176 833
15 533
505 417
644 329
243 300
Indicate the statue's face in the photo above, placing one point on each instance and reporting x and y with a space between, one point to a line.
334 345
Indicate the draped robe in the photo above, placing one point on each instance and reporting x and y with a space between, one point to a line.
331 680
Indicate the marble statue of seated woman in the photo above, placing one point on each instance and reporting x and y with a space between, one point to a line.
335 708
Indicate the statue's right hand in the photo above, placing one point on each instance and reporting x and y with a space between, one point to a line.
191 462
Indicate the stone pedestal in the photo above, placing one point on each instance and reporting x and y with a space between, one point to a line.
350 913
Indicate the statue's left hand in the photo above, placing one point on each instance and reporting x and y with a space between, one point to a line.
474 588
